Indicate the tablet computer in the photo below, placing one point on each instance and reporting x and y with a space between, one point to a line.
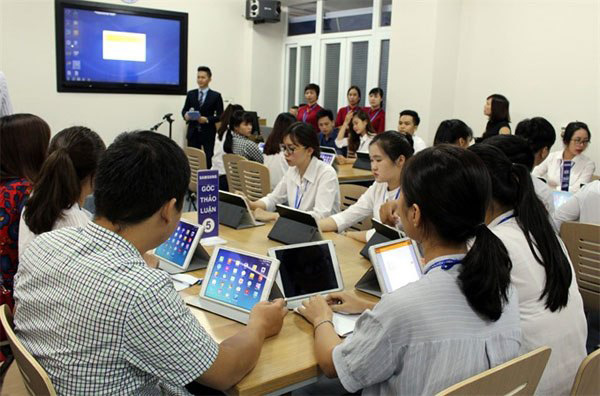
363 161
235 281
234 211
329 150
396 263
328 158
182 251
193 115
294 226
307 269
383 233
560 197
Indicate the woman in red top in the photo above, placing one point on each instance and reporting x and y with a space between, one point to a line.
376 112
353 96
308 113
24 141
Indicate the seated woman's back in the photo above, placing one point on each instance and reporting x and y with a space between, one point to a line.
273 155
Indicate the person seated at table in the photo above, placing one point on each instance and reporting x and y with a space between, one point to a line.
274 159
309 184
217 159
237 138
551 308
355 134
375 111
582 206
327 133
308 112
353 96
389 152
568 169
403 344
65 180
97 319
408 123
454 132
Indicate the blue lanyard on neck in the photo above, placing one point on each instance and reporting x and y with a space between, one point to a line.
308 109
445 264
385 197
506 218
375 115
299 196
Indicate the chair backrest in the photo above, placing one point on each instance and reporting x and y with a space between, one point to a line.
256 180
349 194
35 377
583 243
234 179
197 160
595 177
586 381
519 376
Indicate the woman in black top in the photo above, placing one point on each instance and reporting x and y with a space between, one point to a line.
496 108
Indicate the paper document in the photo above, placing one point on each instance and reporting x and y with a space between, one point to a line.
344 323
183 281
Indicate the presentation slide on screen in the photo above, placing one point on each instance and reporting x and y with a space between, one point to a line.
123 46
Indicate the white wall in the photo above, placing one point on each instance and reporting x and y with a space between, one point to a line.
219 37
447 56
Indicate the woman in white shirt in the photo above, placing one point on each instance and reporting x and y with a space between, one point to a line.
568 169
355 137
583 206
65 180
217 158
445 327
273 156
309 184
551 308
388 151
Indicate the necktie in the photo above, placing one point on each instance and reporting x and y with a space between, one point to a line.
201 98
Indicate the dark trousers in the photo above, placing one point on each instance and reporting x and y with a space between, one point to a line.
204 140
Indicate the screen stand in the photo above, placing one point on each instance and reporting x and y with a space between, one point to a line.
289 232
234 216
376 239
362 163
199 261
368 283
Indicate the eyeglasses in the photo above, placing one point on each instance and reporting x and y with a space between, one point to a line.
578 141
288 149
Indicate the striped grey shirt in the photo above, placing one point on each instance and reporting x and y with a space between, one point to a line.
101 322
423 338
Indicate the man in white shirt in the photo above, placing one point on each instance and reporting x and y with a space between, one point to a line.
407 124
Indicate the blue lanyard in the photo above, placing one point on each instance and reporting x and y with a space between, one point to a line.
308 109
445 264
385 198
375 115
506 218
299 196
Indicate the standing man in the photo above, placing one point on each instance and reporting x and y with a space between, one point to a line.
201 127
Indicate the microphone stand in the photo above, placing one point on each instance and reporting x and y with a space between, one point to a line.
169 120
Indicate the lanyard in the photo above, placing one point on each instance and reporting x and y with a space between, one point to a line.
299 196
305 115
385 198
375 115
506 218
445 264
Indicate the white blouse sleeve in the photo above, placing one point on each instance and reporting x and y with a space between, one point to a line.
360 210
278 196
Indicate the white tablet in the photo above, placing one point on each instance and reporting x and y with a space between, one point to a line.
328 158
235 281
396 263
176 253
307 269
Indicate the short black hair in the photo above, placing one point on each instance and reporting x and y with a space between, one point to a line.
205 69
449 131
538 132
137 174
573 127
413 114
324 113
313 87
304 135
377 91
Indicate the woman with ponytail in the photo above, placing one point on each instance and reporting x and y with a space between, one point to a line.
550 305
65 180
459 319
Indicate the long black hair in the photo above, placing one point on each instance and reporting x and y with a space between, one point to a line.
302 134
449 131
236 119
226 117
73 156
452 188
512 187
354 137
282 123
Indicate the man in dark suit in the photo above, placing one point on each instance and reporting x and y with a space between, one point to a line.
201 132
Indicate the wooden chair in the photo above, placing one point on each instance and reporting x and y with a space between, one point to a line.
256 180
587 381
583 243
595 177
519 376
197 160
34 376
234 179
349 194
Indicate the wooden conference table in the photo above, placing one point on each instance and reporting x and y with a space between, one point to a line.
287 360
347 174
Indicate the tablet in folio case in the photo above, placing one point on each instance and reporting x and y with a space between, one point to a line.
294 226
383 233
234 211
363 161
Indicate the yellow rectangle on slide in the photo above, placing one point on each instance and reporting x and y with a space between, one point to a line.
123 46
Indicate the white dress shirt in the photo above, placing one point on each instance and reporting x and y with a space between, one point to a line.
217 158
418 144
583 206
363 146
544 193
75 216
565 330
278 166
317 192
581 171
367 206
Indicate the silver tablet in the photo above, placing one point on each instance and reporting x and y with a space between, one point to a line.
396 263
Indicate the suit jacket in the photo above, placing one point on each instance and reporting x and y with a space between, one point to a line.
212 108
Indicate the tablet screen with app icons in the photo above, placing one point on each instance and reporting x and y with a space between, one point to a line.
176 249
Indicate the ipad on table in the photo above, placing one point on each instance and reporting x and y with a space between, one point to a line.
329 150
235 281
396 264
182 252
328 158
234 211
383 233
307 269
363 161
294 226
